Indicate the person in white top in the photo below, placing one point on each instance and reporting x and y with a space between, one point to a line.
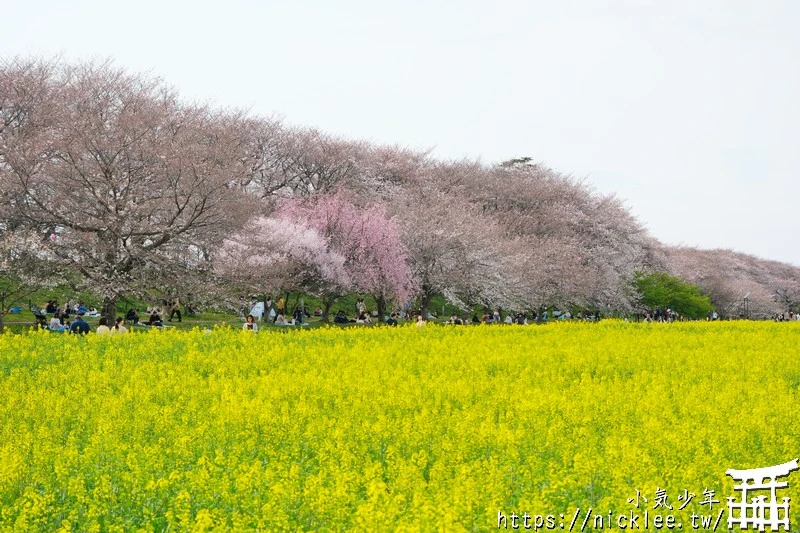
119 327
55 323
103 328
251 324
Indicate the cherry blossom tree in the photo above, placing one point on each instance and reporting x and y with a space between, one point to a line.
728 276
277 254
580 247
454 251
118 167
385 171
140 189
366 237
25 267
268 156
787 293
313 162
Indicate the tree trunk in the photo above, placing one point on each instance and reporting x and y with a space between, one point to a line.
3 312
326 309
380 301
539 314
109 311
426 300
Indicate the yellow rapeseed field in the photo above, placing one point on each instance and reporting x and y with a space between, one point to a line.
434 429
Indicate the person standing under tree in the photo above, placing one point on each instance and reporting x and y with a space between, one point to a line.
267 308
175 309
281 306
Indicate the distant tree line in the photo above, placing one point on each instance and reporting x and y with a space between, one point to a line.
113 180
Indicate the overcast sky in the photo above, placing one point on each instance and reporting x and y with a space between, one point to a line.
687 109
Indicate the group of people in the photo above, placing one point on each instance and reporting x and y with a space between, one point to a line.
669 315
79 326
68 309
60 320
278 320
361 318
277 313
154 315
168 305
493 318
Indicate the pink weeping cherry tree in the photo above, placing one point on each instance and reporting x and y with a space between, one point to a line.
324 245
277 254
374 256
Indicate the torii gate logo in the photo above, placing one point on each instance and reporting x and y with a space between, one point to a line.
759 513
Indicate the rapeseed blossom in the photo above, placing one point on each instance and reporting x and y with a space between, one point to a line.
433 428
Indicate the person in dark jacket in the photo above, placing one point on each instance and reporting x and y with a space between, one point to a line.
155 320
132 316
80 326
340 318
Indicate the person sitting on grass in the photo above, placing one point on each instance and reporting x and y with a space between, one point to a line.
455 320
363 318
132 315
102 328
155 320
55 324
298 316
392 320
80 326
420 320
119 327
250 323
340 318
280 320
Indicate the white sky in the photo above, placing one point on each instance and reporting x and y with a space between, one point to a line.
687 109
